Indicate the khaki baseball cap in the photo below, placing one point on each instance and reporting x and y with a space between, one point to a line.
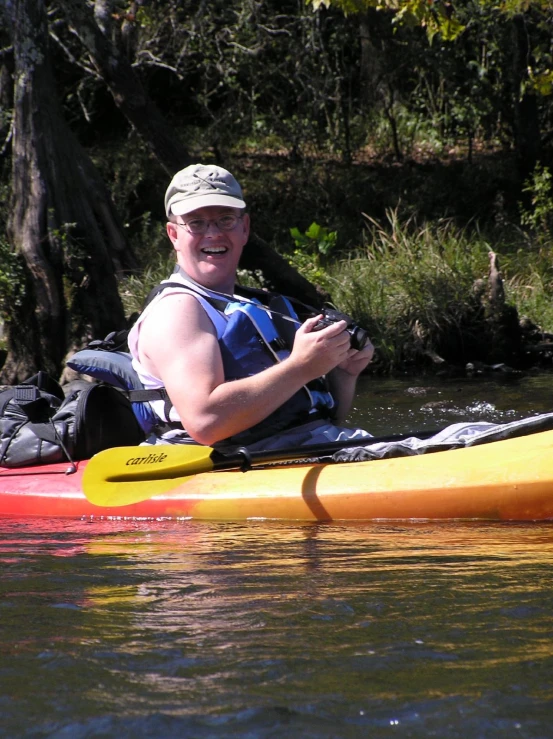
198 186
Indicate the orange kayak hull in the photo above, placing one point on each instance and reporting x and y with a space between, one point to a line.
508 480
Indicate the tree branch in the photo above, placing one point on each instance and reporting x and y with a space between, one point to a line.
126 87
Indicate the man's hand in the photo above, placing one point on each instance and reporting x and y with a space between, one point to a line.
319 352
357 360
329 348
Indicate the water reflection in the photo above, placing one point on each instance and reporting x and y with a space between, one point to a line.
261 629
358 625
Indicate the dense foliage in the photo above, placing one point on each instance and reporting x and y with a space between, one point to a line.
331 113
241 77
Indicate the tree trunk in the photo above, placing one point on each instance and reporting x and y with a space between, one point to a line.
62 221
371 58
526 121
133 101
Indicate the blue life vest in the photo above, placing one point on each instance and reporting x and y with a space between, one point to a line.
251 342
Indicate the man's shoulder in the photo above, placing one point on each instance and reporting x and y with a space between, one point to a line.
175 301
165 288
177 315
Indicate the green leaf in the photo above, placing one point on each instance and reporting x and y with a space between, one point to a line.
295 233
314 231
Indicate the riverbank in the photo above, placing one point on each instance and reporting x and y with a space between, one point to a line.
436 296
438 258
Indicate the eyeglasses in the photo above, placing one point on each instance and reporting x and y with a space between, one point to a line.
198 226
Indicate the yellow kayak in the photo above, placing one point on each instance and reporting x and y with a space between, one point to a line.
509 480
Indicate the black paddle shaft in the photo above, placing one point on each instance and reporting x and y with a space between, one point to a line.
244 459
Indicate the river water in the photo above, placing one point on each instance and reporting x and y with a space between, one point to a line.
189 629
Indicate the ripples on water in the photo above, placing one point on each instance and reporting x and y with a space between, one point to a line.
267 630
386 406
185 629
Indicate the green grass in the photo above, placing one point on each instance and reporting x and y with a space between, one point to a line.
412 287
529 285
421 290
418 289
134 289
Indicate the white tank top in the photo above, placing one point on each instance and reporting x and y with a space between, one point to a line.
146 378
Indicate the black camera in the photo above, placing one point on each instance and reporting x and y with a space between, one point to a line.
358 335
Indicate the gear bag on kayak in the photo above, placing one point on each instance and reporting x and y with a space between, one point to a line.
39 425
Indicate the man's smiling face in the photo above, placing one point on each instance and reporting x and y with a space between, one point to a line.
210 258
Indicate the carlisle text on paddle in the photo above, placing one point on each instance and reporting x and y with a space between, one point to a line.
150 459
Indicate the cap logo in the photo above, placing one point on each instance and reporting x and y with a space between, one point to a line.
220 183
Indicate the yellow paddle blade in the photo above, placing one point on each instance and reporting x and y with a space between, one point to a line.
125 475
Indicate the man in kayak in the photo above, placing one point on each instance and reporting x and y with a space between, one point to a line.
229 375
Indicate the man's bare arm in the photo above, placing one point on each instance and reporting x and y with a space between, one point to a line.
343 379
